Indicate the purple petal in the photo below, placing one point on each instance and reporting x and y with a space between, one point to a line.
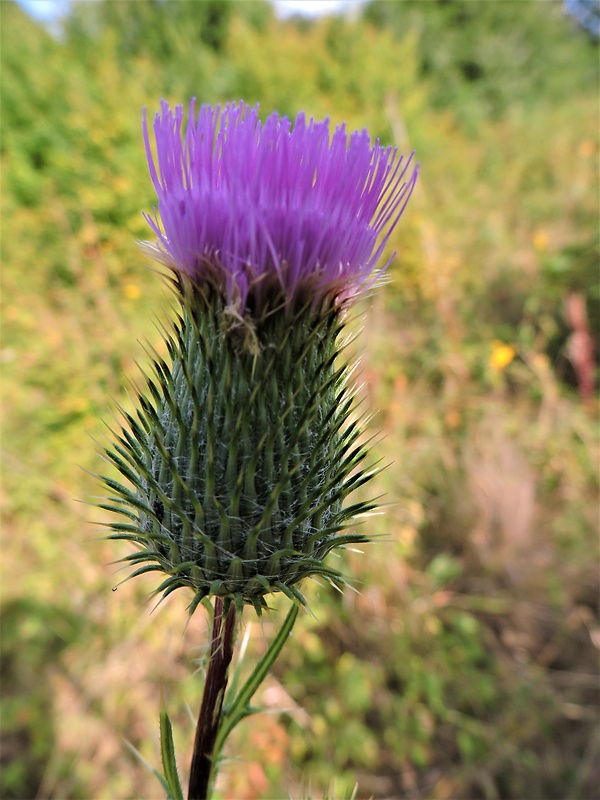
261 205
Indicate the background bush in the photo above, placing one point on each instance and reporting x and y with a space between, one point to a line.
466 664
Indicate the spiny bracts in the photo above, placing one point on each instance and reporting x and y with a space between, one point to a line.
240 457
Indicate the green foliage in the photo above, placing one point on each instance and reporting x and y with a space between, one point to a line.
33 635
465 666
484 59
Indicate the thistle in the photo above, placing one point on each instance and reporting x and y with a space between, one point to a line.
242 452
245 447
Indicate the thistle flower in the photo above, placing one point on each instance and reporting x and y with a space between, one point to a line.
272 209
244 448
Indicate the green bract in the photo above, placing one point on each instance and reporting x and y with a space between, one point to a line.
241 454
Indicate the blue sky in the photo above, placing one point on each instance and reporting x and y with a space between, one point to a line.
44 10
51 10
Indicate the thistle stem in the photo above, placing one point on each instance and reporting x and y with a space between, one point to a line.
221 652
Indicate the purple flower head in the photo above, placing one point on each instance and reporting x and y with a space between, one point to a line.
270 209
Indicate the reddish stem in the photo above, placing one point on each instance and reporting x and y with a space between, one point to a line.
221 652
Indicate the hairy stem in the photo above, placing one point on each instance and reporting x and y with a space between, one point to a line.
221 652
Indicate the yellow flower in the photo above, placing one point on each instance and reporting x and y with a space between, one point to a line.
131 291
502 355
540 241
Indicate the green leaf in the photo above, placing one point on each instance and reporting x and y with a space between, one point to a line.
167 749
149 767
240 706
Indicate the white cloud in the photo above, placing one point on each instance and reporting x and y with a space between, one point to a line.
312 8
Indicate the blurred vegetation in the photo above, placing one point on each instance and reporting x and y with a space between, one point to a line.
466 664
